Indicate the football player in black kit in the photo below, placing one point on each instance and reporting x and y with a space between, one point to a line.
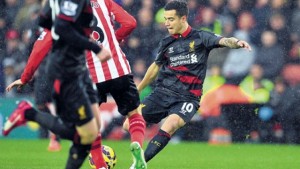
179 70
69 21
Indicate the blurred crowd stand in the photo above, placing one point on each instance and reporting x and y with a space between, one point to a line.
268 76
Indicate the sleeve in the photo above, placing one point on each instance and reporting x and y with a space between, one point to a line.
68 33
127 22
160 59
210 40
40 50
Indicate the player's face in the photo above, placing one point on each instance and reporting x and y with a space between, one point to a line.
173 22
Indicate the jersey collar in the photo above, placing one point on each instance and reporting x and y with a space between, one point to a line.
184 34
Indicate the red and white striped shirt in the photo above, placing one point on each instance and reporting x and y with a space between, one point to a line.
106 12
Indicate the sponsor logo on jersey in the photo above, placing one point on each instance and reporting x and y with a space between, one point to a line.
171 50
69 8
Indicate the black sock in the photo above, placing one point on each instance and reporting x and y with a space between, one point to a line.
54 124
43 108
77 155
156 144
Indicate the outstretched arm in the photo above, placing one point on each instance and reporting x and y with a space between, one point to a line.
234 43
149 76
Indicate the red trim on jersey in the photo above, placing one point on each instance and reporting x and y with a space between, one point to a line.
196 92
66 18
180 68
56 86
189 79
91 66
112 48
185 33
39 51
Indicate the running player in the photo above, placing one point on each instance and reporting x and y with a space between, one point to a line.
114 76
179 70
116 68
71 82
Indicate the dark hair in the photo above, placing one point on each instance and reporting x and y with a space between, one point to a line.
180 6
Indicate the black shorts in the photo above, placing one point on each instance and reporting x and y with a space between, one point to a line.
124 92
72 100
43 88
163 102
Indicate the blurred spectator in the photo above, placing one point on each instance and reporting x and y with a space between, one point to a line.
140 43
285 124
261 13
278 24
295 22
210 106
14 51
270 56
213 80
24 13
294 53
132 6
232 9
268 113
209 21
217 5
3 29
256 86
289 115
9 74
282 7
239 62
193 11
11 10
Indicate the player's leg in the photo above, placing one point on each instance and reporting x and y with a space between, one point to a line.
126 96
172 123
96 149
180 113
74 106
43 98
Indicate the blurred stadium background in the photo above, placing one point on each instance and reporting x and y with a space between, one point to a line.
265 113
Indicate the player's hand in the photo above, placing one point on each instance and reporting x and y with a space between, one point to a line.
244 44
18 83
104 55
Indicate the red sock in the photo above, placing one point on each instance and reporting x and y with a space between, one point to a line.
137 128
96 152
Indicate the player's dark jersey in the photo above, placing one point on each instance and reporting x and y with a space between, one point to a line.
72 21
183 60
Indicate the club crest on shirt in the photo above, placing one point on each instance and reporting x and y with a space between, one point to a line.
192 46
69 8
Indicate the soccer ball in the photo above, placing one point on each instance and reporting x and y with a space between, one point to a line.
109 156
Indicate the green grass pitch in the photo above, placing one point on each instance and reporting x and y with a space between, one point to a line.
32 154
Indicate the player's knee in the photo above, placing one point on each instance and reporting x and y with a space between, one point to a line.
88 138
126 125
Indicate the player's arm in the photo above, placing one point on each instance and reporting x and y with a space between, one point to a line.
67 32
149 77
234 43
126 21
40 50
